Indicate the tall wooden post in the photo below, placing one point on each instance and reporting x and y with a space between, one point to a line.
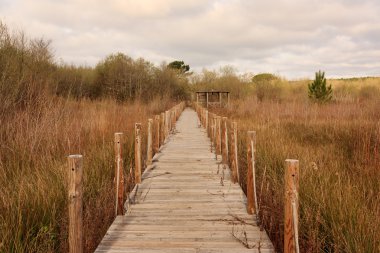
75 203
156 140
207 100
137 153
149 153
252 206
235 165
291 206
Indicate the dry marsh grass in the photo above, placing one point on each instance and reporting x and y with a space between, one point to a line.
35 142
338 145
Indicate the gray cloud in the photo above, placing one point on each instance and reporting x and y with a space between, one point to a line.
293 38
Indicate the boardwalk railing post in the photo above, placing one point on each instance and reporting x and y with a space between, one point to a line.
235 165
156 141
224 141
75 203
291 206
137 153
206 121
173 118
252 206
166 124
218 136
149 152
119 175
162 128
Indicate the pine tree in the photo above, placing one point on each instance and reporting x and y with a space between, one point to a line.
318 90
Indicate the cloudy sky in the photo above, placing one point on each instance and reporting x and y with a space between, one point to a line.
292 38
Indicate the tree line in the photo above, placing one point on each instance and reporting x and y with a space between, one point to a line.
28 70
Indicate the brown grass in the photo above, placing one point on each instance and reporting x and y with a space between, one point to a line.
338 148
35 142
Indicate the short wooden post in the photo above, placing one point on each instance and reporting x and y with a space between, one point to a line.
215 132
224 141
75 203
210 125
162 128
291 206
119 175
166 124
201 116
206 121
156 140
218 136
137 153
149 152
173 118
252 206
207 100
235 165
220 99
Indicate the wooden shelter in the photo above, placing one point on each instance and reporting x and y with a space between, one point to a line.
213 98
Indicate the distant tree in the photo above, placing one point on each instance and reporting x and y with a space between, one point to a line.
264 77
318 90
179 65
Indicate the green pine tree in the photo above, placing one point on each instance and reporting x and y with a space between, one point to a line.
318 90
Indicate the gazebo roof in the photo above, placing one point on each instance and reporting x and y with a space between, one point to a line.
212 91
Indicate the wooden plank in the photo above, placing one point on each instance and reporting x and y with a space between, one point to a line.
114 249
170 244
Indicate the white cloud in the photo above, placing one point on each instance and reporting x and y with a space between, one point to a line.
293 38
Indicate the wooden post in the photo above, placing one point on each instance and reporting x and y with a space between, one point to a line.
252 206
228 99
119 175
75 203
197 99
235 165
215 131
224 141
207 100
218 136
166 124
149 154
291 206
137 153
162 128
220 99
210 124
173 118
156 140
207 123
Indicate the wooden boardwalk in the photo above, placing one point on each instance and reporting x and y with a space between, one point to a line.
186 203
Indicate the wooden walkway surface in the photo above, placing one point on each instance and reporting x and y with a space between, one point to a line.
186 203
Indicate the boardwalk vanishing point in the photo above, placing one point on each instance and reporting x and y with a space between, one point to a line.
186 203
